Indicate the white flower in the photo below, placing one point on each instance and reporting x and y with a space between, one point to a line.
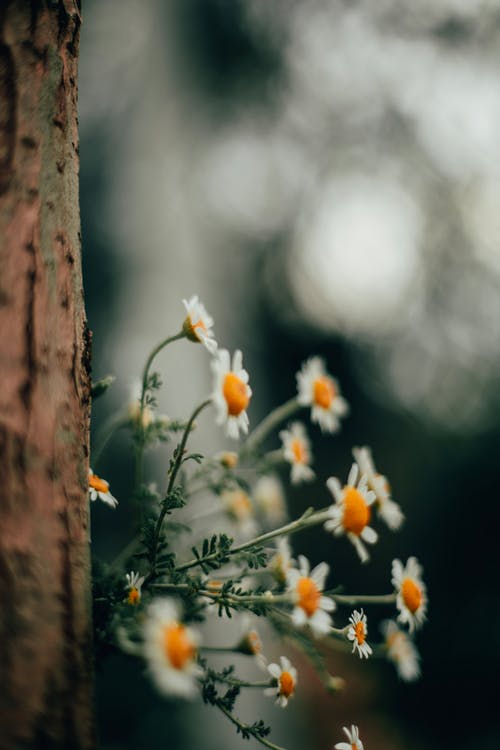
310 607
387 509
170 649
238 506
318 389
99 488
269 498
286 681
281 562
134 585
198 324
411 592
353 737
297 451
351 513
232 393
401 651
357 634
250 642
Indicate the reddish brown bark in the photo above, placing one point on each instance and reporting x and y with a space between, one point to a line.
45 636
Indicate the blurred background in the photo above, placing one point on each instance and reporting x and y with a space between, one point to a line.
326 176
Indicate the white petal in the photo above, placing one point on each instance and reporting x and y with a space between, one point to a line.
369 535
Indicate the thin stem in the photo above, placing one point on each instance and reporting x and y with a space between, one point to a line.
241 683
149 362
268 424
139 458
173 474
304 522
247 728
364 598
115 424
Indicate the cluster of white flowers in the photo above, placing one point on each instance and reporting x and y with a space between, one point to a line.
162 632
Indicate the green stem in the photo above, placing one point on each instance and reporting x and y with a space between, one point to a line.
115 424
149 361
245 727
305 521
139 456
268 424
364 598
173 474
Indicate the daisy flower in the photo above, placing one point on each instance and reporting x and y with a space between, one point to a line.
353 737
170 650
238 506
318 389
401 651
232 393
351 513
357 633
250 642
281 562
310 607
411 592
198 324
134 585
99 488
286 681
387 509
297 451
269 498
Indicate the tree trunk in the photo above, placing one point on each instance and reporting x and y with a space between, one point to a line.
45 628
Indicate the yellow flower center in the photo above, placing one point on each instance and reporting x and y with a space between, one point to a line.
287 684
134 596
299 451
189 327
412 595
323 392
309 595
100 485
239 504
360 633
254 642
356 511
393 638
178 647
235 393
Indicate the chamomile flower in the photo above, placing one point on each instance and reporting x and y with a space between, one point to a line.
357 633
99 488
411 592
170 649
388 510
352 735
134 585
351 513
250 642
297 451
316 388
198 324
239 507
286 681
401 651
270 499
232 393
311 608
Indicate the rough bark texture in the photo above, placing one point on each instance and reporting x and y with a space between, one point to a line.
45 634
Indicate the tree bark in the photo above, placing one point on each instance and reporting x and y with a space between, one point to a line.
45 627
